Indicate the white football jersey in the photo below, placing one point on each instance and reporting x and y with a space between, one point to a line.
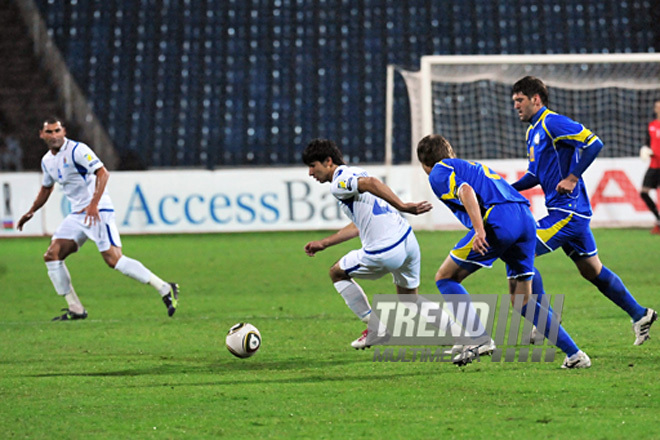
379 223
73 167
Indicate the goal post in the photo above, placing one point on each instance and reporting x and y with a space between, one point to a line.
467 98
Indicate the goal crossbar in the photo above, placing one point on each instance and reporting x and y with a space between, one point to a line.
427 62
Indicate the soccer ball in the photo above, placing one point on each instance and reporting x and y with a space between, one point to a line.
243 340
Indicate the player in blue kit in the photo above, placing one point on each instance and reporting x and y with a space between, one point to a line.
559 151
83 178
500 226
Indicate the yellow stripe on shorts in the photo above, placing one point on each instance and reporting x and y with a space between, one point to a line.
547 234
462 253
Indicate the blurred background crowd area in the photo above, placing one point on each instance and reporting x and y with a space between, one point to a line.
215 83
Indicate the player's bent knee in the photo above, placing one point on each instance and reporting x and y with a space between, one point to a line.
49 256
589 268
588 274
110 260
449 275
407 293
60 249
338 274
53 253
112 256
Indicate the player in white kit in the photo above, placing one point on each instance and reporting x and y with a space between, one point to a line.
388 242
83 178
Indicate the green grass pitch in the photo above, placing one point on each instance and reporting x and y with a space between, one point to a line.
129 371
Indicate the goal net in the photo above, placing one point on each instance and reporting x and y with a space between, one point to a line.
467 99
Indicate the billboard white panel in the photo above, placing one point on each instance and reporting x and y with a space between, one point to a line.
271 199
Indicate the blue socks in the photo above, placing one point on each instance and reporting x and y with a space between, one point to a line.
451 287
613 288
564 340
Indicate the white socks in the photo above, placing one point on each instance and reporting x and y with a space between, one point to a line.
160 285
61 279
59 275
74 303
136 270
355 298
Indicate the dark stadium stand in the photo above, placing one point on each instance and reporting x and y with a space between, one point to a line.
215 83
25 92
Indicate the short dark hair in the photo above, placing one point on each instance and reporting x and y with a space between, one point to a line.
433 148
52 119
320 150
530 86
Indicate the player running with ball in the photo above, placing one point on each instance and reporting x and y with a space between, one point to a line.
388 241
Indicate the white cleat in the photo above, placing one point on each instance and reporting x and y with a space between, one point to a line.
535 337
641 328
361 342
365 341
454 350
471 352
578 360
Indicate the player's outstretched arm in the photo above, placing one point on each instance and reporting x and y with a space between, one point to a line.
42 198
527 181
344 234
379 189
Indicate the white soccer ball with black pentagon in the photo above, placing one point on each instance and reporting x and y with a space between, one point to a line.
243 340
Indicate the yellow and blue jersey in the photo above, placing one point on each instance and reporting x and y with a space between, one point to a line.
510 227
448 175
555 146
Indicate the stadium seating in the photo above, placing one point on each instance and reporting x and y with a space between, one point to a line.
245 82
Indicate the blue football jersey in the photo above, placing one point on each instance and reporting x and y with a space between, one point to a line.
554 145
448 175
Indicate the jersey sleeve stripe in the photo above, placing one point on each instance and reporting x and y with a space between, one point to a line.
81 169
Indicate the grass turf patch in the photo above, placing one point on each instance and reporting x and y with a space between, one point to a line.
129 371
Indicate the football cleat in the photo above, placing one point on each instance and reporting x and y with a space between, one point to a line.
364 341
471 352
578 360
454 350
171 300
641 328
70 316
655 230
535 337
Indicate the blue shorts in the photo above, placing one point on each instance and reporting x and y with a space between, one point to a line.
568 230
511 234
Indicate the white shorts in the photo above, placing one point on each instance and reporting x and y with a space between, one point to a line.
103 233
402 261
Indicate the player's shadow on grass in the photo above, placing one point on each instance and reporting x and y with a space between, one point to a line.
168 368
301 376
